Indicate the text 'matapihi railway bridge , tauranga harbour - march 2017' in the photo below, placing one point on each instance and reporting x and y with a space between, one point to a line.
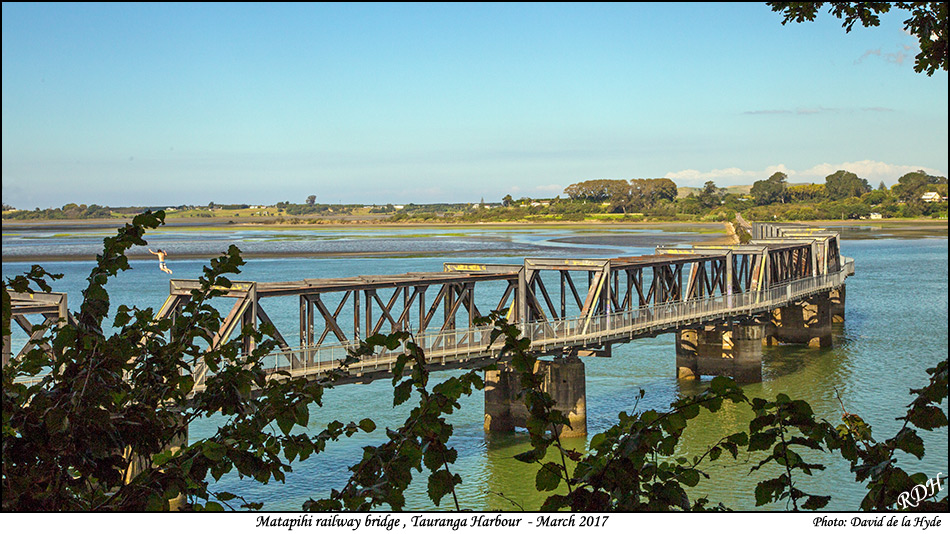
723 302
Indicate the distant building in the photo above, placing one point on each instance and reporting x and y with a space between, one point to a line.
876 216
931 196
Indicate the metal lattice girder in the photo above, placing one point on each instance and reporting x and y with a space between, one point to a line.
51 306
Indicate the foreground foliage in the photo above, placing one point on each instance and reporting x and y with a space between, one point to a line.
100 428
927 21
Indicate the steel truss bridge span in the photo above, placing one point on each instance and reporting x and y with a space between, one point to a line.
564 306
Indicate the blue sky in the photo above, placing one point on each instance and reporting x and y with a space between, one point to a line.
145 104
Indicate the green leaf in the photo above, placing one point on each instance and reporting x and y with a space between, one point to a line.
739 438
761 441
676 422
290 450
303 414
367 425
402 392
213 451
214 507
597 441
690 477
816 502
555 502
160 458
528 457
285 422
441 483
548 477
722 385
768 491
185 384
927 417
689 411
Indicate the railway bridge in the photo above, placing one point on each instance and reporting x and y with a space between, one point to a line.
723 302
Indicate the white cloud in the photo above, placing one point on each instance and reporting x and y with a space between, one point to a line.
872 171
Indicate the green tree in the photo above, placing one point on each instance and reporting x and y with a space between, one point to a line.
771 190
646 193
311 200
927 22
507 201
619 194
806 193
663 189
874 198
844 184
913 184
710 196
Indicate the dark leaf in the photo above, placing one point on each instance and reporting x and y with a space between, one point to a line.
548 477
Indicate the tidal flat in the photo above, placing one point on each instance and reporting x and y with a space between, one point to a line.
39 241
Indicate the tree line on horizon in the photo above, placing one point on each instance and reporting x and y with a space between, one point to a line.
843 195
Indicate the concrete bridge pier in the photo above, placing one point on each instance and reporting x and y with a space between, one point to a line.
564 381
806 322
837 304
724 350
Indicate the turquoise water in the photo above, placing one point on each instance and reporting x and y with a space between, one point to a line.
895 328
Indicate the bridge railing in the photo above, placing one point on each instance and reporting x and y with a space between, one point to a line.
454 345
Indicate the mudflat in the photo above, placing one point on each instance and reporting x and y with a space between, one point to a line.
589 234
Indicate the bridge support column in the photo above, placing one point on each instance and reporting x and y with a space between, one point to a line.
806 322
837 304
727 350
564 381
139 463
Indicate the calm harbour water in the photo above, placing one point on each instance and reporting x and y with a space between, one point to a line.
895 328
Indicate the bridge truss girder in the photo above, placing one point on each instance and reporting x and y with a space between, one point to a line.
51 307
